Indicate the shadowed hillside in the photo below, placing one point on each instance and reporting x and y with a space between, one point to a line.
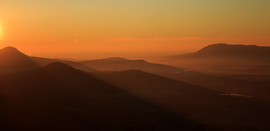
59 97
204 105
252 85
12 60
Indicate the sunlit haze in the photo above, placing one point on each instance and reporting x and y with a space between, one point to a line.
87 29
135 65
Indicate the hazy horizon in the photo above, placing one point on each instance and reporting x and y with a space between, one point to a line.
187 65
131 29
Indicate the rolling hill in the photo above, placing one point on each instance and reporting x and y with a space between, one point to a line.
117 64
12 60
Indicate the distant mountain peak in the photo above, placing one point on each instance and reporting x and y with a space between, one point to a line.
220 45
10 48
229 50
12 60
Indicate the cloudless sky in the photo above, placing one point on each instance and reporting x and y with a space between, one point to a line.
130 28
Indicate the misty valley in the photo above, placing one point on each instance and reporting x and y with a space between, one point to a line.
219 88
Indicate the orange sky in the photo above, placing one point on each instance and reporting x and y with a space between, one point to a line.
126 28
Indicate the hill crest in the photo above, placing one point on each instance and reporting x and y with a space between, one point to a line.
12 60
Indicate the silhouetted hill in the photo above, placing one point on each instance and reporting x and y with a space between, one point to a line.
59 67
117 64
224 59
45 61
12 60
62 69
234 51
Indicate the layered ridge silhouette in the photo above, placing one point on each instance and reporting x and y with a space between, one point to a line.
59 96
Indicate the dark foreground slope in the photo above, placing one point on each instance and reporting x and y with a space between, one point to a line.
117 64
59 97
219 110
12 60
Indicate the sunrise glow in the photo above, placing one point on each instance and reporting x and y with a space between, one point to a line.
143 26
135 65
0 32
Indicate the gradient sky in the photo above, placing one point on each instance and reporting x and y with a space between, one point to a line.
130 28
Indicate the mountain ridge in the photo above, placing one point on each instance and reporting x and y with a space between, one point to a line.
230 50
